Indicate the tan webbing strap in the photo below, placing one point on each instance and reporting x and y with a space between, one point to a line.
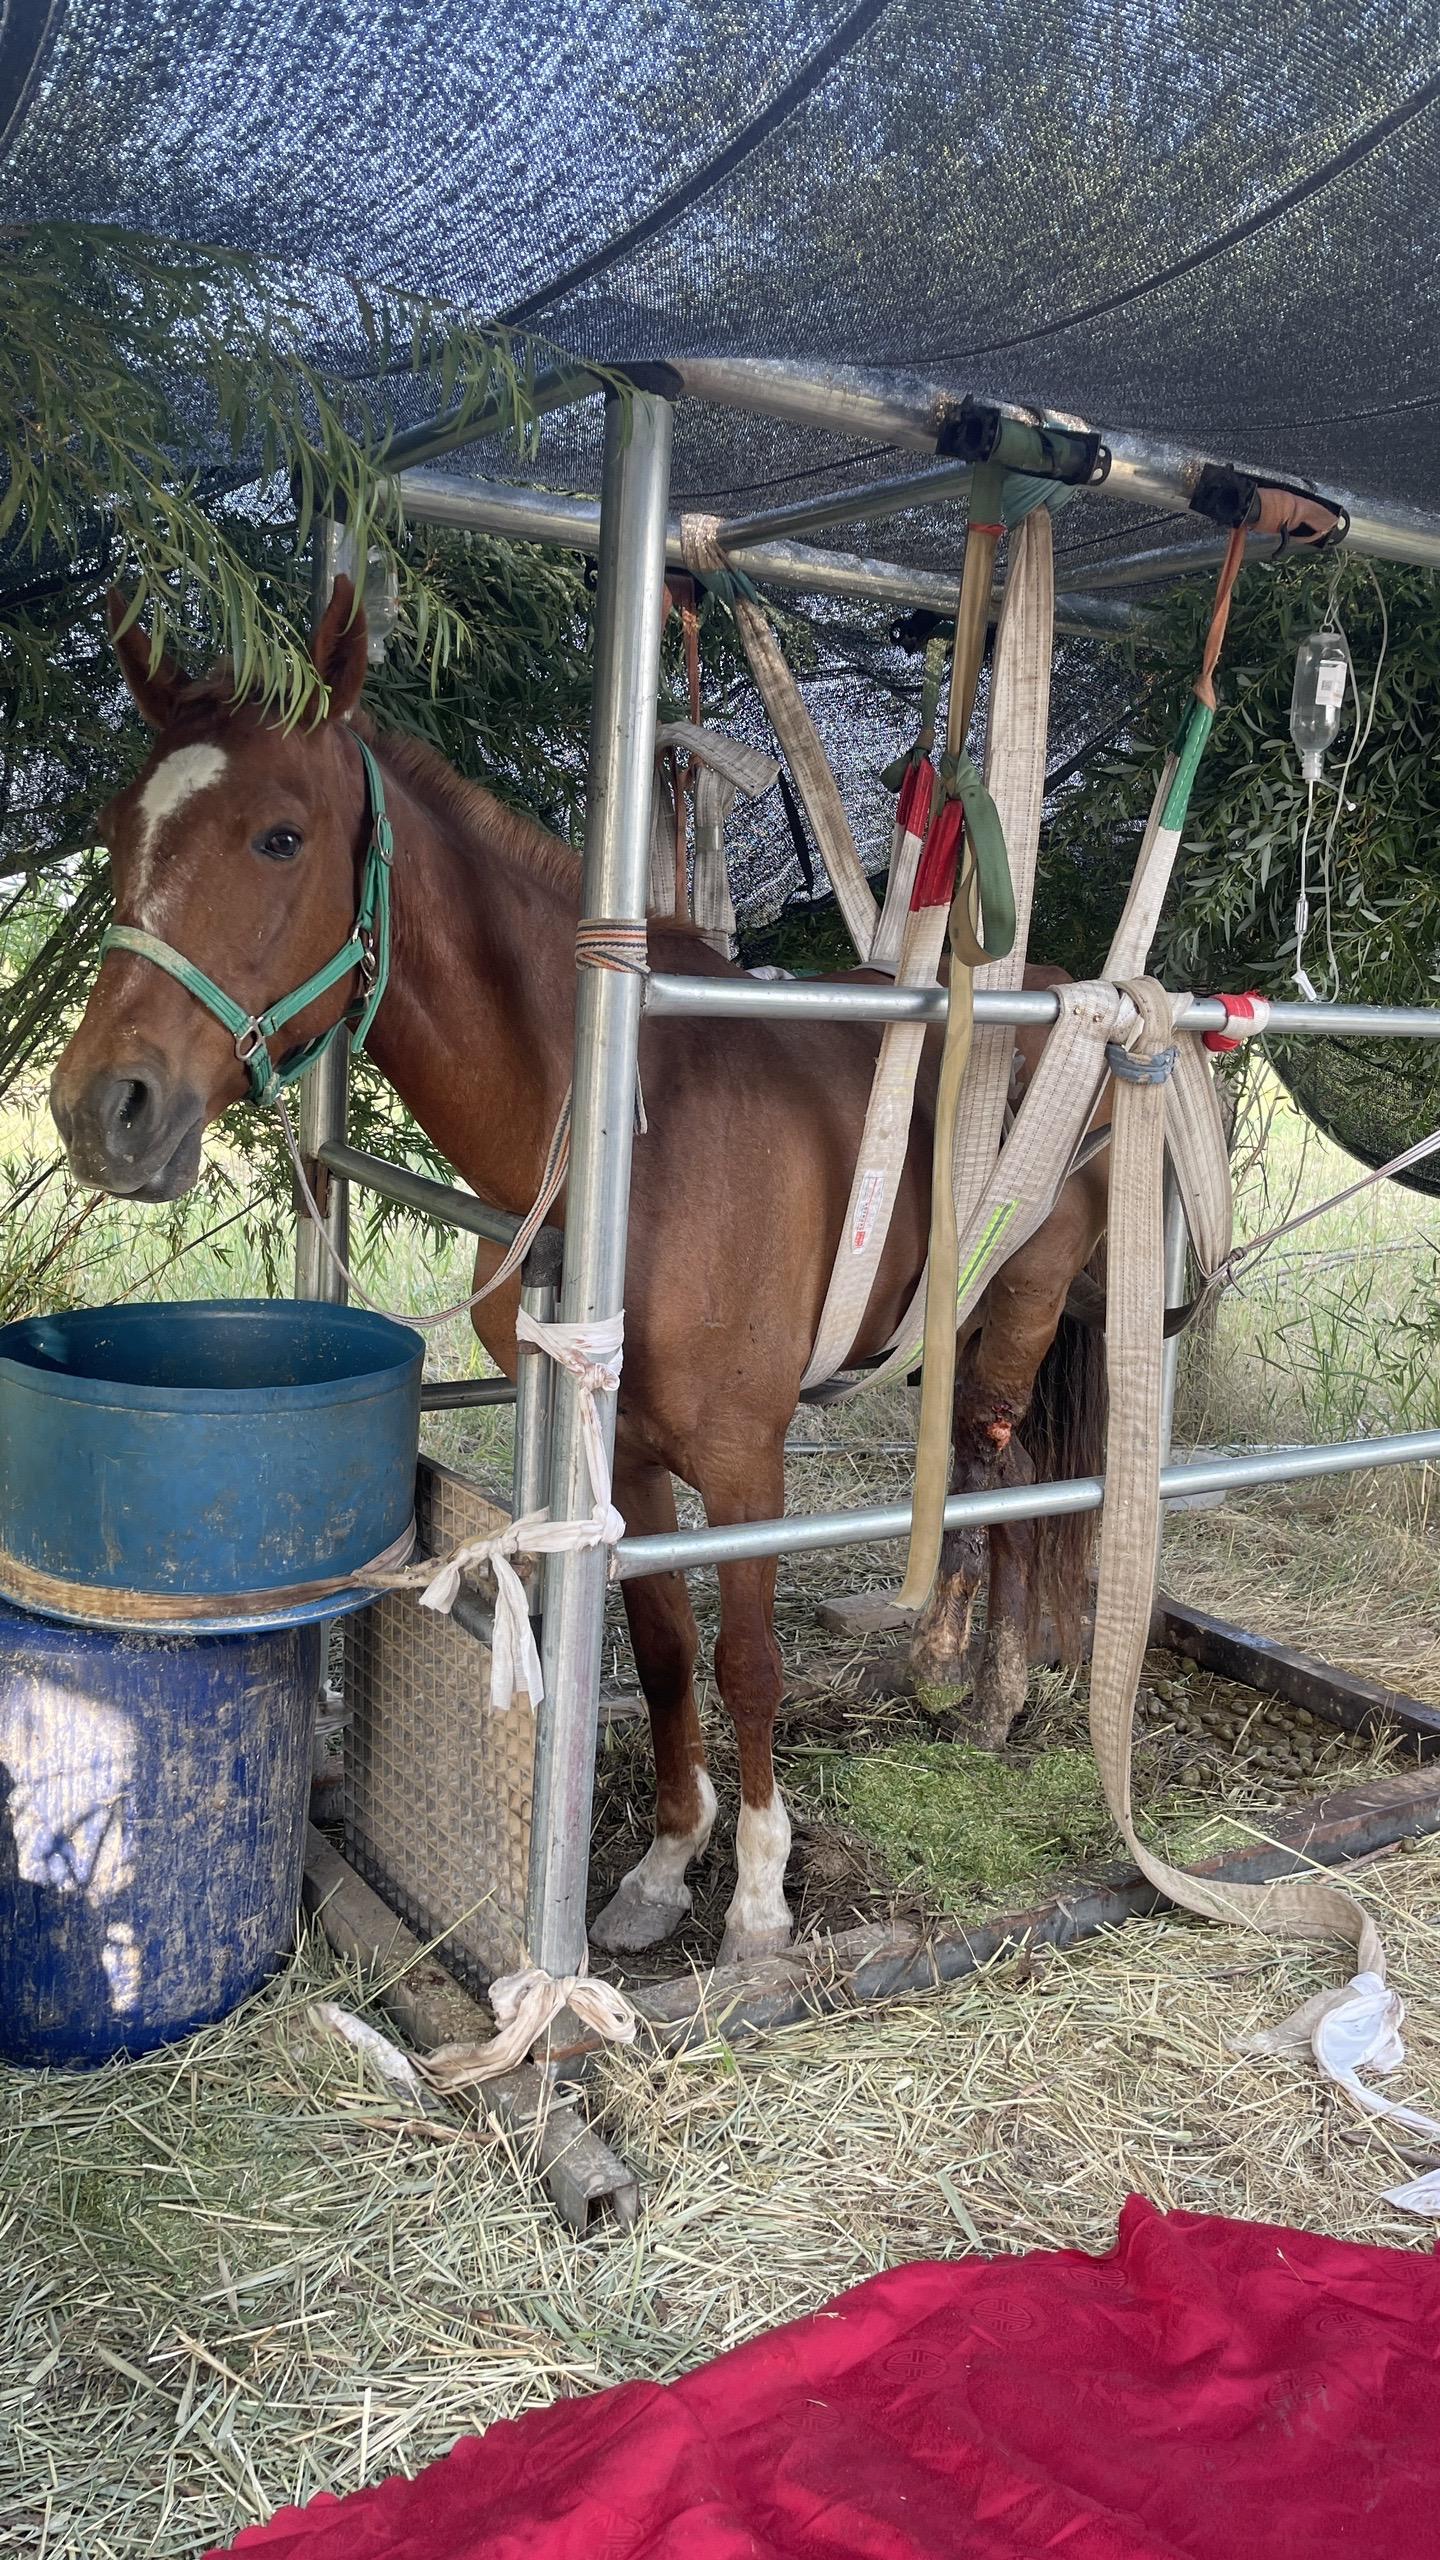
1019 730
720 768
937 1387
880 1164
1130 1521
1015 773
795 730
885 1142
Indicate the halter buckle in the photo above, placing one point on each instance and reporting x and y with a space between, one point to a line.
252 1034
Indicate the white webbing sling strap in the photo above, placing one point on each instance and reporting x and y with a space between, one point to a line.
1351 2025
793 726
1015 778
724 769
1011 1195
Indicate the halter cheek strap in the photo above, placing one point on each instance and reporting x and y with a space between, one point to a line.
367 950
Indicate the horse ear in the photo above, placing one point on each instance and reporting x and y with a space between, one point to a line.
155 689
339 649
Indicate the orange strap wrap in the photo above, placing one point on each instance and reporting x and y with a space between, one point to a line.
1285 511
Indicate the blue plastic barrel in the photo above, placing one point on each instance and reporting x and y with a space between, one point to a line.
202 1465
153 1794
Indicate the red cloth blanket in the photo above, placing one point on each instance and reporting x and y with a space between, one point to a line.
1221 2390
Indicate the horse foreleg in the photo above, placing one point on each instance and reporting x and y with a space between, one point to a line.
654 1898
749 1484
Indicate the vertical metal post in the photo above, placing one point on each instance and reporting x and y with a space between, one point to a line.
534 1380
629 592
324 1092
1177 1246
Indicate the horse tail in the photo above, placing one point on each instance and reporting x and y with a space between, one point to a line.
1064 1435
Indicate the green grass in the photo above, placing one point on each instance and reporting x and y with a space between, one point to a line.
1335 1333
968 1828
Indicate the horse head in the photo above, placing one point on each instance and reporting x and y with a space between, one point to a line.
237 854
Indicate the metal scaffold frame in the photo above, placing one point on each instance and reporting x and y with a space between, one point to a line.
635 537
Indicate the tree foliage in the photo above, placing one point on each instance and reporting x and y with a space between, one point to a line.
140 379
1230 916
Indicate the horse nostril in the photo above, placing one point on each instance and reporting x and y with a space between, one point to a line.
125 1107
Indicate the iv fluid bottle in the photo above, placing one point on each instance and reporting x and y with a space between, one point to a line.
1317 699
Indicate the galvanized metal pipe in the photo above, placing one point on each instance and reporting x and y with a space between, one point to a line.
555 387
1148 470
846 400
692 1550
1152 471
573 524
324 1102
416 1191
815 1000
866 503
534 1388
325 1092
1168 560
615 884
458 1395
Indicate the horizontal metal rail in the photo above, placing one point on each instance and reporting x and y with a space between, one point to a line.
555 387
822 1000
864 502
899 410
807 1533
1166 560
573 524
416 1191
456 1395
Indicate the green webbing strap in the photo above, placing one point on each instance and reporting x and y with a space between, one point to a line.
367 950
961 779
1023 491
1189 748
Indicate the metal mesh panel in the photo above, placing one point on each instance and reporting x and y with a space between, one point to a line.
437 1788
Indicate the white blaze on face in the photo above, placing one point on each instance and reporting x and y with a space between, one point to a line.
182 774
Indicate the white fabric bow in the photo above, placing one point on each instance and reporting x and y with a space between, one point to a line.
524 2005
593 1354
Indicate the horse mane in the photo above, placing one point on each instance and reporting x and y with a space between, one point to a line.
470 807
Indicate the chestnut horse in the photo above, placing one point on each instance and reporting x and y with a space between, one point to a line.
241 844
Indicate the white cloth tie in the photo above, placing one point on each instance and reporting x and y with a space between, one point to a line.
593 1354
524 2005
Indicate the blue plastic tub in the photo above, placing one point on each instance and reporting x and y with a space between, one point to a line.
209 1466
153 1794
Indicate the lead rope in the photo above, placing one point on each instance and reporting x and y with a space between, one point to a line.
601 942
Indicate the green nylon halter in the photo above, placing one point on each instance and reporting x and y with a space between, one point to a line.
367 950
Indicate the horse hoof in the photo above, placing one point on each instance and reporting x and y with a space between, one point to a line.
747 1946
632 1921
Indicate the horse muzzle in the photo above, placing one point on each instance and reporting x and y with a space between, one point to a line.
135 1134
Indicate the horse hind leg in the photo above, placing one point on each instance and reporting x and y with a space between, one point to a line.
994 1388
653 1900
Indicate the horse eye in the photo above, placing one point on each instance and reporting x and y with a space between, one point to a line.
280 845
